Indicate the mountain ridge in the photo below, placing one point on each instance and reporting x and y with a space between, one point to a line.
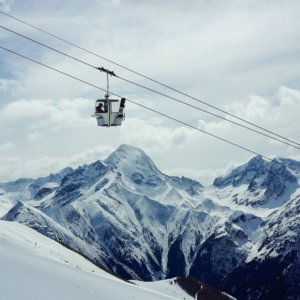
148 225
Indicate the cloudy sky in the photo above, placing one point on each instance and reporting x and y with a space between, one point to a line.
242 56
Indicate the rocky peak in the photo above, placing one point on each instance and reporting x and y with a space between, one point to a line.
135 166
254 168
85 174
128 155
277 180
14 212
267 183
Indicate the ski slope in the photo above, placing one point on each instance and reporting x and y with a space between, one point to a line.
36 267
168 287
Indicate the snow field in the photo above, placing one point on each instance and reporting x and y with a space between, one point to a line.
35 267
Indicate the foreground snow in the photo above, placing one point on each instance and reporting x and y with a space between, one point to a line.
35 267
168 287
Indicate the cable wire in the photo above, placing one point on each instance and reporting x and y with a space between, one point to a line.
149 89
149 78
138 104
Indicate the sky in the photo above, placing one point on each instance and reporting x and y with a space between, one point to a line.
241 56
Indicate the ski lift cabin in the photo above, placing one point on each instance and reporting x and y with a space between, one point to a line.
109 112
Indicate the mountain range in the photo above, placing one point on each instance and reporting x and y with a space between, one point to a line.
240 234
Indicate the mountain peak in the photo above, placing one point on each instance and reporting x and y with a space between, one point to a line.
256 166
16 211
256 161
127 156
124 150
269 184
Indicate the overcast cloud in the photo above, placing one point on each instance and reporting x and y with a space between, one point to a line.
243 56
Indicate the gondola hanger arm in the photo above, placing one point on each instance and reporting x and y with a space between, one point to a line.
112 73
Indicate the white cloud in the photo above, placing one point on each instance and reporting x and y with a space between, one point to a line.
277 113
6 5
288 97
204 176
33 136
116 2
5 84
44 165
153 135
46 112
255 108
6 146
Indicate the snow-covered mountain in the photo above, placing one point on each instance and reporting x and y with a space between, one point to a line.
127 216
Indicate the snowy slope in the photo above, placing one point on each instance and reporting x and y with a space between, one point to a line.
39 221
35 267
168 287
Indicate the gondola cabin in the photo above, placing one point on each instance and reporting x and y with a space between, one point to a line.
109 112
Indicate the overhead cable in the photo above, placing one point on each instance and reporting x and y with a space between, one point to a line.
138 104
151 79
152 90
